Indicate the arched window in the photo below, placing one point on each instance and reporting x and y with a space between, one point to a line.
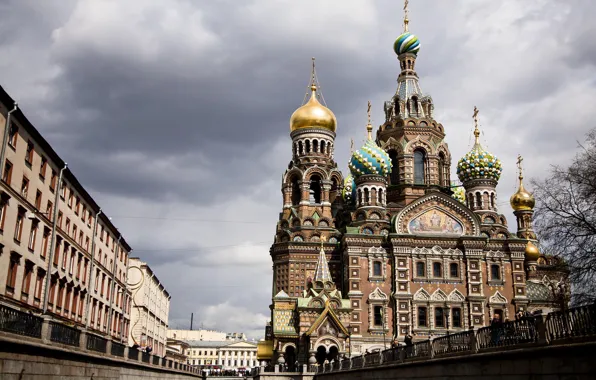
495 272
334 190
295 149
478 200
439 317
300 148
442 180
493 201
359 196
419 159
414 105
315 146
307 146
315 189
421 316
420 269
381 197
395 167
377 269
295 191
366 196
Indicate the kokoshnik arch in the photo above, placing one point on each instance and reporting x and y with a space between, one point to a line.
394 248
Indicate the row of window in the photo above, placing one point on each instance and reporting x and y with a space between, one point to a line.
437 270
441 319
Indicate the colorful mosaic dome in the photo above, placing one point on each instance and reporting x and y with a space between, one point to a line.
349 191
370 159
458 192
406 43
479 164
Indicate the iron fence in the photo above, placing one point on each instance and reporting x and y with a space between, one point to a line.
118 349
60 333
453 343
572 323
145 357
133 353
96 343
18 322
392 354
507 334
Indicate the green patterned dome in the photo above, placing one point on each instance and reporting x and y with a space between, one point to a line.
479 164
349 191
370 159
458 192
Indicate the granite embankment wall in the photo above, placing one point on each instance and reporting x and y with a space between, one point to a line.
569 362
25 359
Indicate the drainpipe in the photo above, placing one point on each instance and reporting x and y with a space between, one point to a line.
91 286
53 240
113 283
124 304
5 139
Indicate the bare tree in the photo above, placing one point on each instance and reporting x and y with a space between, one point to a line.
565 218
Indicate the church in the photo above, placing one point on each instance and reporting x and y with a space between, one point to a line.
395 248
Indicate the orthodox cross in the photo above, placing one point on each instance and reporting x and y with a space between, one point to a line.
368 112
313 80
368 126
351 145
406 16
476 131
519 165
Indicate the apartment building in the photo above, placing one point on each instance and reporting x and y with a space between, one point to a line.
150 307
59 254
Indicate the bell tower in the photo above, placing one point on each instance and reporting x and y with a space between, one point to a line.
311 196
410 135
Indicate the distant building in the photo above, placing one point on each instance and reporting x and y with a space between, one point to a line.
222 355
150 307
176 350
87 259
205 335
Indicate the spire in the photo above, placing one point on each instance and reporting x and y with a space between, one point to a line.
406 21
369 127
476 130
322 272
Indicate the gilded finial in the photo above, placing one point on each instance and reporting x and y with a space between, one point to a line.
519 166
476 130
369 126
322 241
406 21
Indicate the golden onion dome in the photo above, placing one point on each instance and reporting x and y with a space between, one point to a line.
532 252
313 115
522 200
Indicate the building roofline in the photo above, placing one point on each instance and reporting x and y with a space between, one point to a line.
8 101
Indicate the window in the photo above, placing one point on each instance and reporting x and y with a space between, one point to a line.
26 284
74 231
57 253
67 226
53 181
3 207
60 296
442 180
456 317
378 315
70 198
437 270
32 236
63 190
49 209
52 292
454 270
42 168
7 175
65 255
394 167
59 219
419 158
315 189
77 205
18 228
420 269
29 155
11 278
38 285
13 135
25 187
422 317
495 272
38 199
45 242
84 213
439 317
377 269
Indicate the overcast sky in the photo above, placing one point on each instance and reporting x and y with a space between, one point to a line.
174 114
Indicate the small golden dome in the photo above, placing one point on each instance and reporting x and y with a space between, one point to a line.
522 200
313 115
532 252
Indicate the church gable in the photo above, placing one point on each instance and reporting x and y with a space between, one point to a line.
437 214
327 324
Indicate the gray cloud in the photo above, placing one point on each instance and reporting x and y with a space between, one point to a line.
179 110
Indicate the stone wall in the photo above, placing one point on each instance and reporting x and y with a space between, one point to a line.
569 362
24 360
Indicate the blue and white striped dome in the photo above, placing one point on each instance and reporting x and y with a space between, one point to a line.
406 43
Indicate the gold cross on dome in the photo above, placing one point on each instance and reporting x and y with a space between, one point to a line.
368 112
519 163
406 2
476 131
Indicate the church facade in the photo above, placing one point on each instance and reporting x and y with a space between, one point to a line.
394 248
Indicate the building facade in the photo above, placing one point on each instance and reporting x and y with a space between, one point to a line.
150 308
222 355
359 262
58 252
203 334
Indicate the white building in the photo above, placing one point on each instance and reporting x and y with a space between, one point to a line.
150 308
205 335
223 354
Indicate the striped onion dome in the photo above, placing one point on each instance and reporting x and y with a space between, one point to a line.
406 43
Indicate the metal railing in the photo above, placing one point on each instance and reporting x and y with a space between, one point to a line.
96 343
579 322
118 349
133 353
18 322
60 333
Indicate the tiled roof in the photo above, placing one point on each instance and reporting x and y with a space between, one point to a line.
537 291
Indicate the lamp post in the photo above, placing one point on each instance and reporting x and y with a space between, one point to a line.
53 240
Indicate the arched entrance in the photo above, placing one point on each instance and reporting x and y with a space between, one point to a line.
290 354
321 354
326 353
